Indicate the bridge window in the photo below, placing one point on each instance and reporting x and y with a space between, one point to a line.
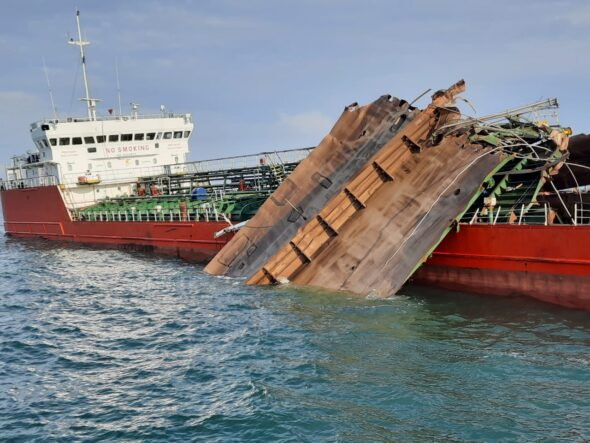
64 141
77 140
91 150
89 140
39 144
45 143
178 134
138 137
159 136
101 138
167 135
126 137
150 136
114 138
187 133
53 141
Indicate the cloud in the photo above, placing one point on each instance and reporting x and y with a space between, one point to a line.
308 123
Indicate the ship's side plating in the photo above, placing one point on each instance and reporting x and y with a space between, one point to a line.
549 263
40 212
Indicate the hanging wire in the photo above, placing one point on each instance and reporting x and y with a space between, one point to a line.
74 87
427 213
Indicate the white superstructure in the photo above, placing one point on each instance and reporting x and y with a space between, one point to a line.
95 157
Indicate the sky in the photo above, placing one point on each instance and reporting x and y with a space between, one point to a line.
261 75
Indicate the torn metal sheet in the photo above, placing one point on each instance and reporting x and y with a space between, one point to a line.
538 152
578 173
379 208
358 134
269 236
372 237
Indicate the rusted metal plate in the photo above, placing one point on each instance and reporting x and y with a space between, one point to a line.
358 134
386 205
379 244
579 154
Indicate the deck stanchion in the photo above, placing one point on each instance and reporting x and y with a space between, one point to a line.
497 214
474 217
545 208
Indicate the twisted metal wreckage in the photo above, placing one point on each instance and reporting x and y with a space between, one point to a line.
370 204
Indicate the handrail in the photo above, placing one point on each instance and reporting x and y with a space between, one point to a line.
217 164
523 217
110 118
31 182
581 215
204 212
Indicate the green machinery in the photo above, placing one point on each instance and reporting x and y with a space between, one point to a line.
511 194
239 206
204 192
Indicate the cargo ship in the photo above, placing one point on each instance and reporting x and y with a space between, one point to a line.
393 194
124 180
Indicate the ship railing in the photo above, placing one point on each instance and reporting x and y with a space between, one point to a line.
206 212
522 215
30 182
130 175
186 116
247 161
581 214
118 175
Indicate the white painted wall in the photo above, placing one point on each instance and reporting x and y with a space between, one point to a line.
163 140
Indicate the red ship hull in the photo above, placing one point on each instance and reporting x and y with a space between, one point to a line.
549 263
41 212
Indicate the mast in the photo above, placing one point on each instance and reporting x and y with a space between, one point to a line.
90 102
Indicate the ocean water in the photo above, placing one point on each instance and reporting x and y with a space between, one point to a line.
116 346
